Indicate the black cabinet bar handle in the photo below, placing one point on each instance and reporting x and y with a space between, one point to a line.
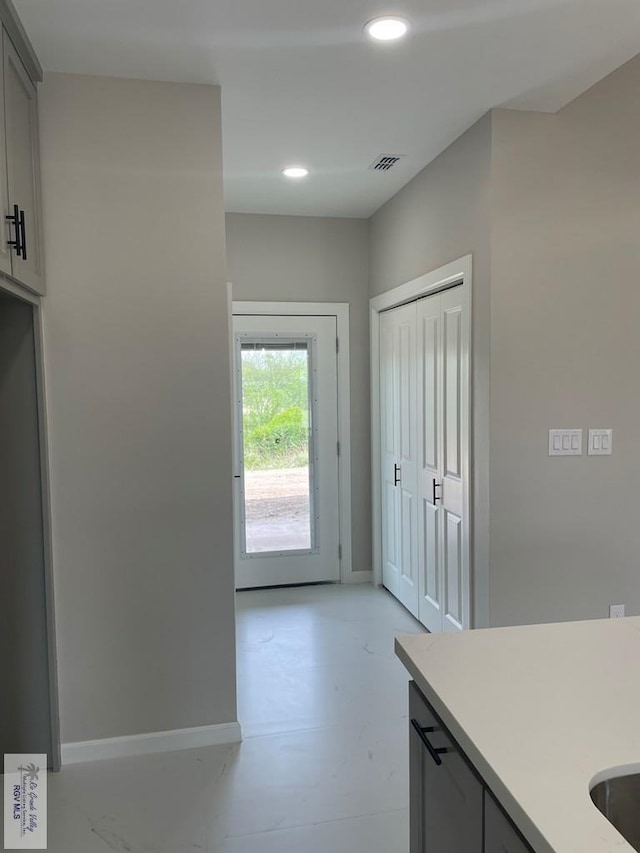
396 473
15 219
436 485
23 238
422 734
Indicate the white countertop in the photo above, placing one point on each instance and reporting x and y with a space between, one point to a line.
543 712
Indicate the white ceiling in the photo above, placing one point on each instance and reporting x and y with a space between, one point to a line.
301 84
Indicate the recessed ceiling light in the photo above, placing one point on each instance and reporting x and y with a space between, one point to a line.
295 172
387 29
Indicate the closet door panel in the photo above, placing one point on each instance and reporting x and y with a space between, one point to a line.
429 429
405 318
399 443
391 556
451 410
455 460
453 572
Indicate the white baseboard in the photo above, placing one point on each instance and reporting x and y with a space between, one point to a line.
358 577
121 747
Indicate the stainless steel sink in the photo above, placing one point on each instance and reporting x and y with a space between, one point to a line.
619 801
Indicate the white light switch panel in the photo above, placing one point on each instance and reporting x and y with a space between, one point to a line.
600 442
565 442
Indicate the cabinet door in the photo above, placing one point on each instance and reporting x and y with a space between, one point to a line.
445 799
500 836
23 172
5 249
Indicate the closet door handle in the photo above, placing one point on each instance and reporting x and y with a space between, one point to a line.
436 485
14 218
396 474
431 749
23 238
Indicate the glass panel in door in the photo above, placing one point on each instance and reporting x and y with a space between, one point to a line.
277 503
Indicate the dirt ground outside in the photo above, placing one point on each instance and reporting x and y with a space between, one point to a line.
277 509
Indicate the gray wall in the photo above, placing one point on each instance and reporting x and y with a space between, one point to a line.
565 538
25 713
548 205
309 259
136 350
442 214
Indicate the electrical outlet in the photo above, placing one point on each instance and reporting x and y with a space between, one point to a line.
616 611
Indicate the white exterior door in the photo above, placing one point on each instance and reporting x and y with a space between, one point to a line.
286 450
399 454
437 410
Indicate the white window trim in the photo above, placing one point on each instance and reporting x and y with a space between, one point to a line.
339 310
457 272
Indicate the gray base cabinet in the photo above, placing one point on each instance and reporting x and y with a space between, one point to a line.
500 834
451 810
445 798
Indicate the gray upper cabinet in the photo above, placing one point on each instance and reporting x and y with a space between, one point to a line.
6 233
500 836
21 241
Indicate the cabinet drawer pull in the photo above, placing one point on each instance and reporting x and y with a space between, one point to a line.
422 734
23 236
14 218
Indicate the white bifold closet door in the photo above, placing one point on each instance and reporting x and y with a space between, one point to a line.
424 378
399 456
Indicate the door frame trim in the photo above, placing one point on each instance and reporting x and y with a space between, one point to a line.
339 310
456 273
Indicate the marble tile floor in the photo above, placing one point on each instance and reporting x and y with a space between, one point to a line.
323 765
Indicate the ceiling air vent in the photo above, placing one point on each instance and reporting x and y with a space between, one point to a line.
385 162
